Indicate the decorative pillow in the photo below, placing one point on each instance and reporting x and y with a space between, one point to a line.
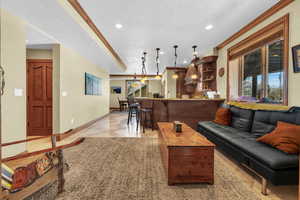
223 116
20 179
43 165
285 137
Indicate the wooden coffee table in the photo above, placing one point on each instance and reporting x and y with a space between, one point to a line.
188 157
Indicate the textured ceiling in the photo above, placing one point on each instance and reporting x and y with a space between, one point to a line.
146 26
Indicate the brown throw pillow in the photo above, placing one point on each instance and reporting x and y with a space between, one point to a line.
223 116
285 137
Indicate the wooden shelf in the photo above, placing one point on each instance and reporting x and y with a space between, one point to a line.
208 80
207 71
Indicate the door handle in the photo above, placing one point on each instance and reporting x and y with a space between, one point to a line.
2 81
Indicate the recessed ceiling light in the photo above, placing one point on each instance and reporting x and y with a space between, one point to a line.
119 26
209 27
161 53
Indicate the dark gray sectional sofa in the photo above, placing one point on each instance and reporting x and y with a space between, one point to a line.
239 142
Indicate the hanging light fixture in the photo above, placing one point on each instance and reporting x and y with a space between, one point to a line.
175 76
194 74
144 72
195 53
175 50
157 64
135 82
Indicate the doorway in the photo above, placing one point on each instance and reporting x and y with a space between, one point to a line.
39 97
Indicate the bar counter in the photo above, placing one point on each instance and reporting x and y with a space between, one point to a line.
189 111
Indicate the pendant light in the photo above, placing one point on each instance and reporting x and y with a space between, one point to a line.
175 50
195 53
144 72
194 75
157 64
175 76
135 83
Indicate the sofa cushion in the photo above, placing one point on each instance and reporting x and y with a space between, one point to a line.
225 132
245 141
265 121
241 119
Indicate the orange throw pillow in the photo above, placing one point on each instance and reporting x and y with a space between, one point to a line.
223 116
285 137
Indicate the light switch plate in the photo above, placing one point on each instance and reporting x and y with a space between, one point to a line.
18 92
64 94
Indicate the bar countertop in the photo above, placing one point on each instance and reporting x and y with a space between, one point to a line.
177 99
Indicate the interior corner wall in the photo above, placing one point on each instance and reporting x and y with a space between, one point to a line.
114 97
56 88
13 60
293 78
76 108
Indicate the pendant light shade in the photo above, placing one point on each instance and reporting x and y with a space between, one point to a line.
175 76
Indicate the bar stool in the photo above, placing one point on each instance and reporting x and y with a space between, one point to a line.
133 110
146 115
122 105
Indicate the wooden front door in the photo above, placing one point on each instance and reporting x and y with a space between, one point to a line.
39 99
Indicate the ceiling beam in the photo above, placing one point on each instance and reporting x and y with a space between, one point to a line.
280 5
78 8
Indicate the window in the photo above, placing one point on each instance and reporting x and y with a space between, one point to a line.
262 73
252 74
257 66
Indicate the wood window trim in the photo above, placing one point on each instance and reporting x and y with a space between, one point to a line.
278 28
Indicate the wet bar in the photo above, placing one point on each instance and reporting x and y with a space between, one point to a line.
189 111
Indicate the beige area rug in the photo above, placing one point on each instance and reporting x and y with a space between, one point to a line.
131 169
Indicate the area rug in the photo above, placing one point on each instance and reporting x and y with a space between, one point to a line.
131 169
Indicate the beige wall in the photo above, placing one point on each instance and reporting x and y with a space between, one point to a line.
170 84
70 111
39 54
294 78
114 97
56 87
154 87
76 108
13 60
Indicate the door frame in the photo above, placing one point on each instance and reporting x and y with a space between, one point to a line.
27 88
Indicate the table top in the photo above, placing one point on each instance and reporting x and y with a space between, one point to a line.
188 137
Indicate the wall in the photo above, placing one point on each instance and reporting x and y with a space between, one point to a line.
75 108
294 78
170 84
39 54
56 87
13 60
154 87
114 97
